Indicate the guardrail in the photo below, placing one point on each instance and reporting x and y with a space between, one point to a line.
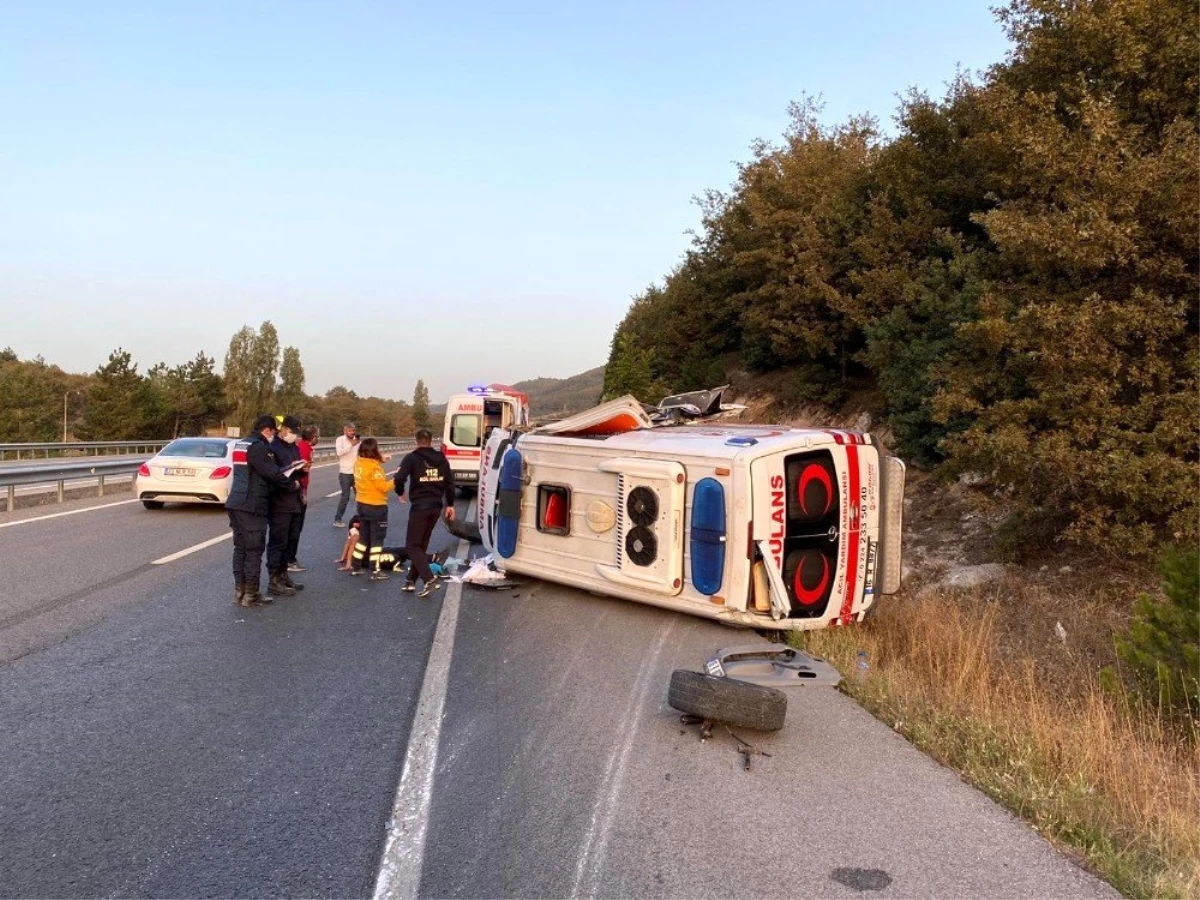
58 474
80 448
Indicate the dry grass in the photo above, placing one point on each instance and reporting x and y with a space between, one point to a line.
1117 788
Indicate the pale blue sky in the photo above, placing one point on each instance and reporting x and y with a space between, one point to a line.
454 192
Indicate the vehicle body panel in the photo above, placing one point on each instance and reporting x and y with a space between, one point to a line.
630 496
188 470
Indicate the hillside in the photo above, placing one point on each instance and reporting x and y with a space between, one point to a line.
554 397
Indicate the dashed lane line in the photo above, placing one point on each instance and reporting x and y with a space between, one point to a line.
182 553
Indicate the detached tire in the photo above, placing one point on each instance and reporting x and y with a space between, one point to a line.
153 504
727 700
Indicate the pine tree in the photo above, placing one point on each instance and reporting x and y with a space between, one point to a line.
1163 645
117 401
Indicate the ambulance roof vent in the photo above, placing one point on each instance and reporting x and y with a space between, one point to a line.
642 506
641 545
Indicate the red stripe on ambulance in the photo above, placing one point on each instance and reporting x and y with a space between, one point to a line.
854 502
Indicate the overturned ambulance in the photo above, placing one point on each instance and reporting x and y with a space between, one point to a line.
762 526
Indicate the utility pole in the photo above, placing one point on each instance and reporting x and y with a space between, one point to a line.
65 395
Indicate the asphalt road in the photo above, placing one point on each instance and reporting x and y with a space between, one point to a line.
158 741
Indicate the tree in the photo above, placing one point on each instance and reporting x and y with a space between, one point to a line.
420 406
1162 648
116 407
1080 373
264 365
250 366
291 382
183 399
31 399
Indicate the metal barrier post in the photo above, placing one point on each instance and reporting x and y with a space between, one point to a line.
101 494
60 490
12 497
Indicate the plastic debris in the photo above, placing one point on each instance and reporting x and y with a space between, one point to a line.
862 664
484 572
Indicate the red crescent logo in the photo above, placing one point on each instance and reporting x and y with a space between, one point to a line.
810 472
804 596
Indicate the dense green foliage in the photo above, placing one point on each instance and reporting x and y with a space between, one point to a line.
41 403
35 398
1162 648
1014 274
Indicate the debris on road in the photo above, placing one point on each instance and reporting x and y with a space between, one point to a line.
772 665
483 572
727 700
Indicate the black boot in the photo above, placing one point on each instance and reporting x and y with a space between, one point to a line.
251 596
287 579
278 587
239 589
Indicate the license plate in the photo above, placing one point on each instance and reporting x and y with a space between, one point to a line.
179 471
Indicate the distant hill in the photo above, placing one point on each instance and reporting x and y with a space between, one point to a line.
557 397
554 398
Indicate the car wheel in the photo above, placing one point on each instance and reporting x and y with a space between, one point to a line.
153 504
727 700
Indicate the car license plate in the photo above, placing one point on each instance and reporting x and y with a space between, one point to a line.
173 471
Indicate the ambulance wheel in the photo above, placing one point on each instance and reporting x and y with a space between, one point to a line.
727 700
153 504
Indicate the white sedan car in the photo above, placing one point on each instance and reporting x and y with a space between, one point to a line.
187 470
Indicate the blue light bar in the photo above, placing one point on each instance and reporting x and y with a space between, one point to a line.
708 536
477 389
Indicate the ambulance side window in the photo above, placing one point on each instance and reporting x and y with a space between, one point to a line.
554 509
464 430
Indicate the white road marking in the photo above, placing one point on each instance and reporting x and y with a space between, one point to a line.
404 851
201 546
71 512
334 494
594 851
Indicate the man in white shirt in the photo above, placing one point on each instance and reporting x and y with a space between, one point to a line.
346 447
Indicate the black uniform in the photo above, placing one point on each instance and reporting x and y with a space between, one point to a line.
255 473
286 507
430 486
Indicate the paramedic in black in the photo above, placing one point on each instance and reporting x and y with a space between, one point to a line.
255 473
430 487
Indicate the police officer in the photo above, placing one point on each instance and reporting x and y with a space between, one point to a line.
255 472
285 510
